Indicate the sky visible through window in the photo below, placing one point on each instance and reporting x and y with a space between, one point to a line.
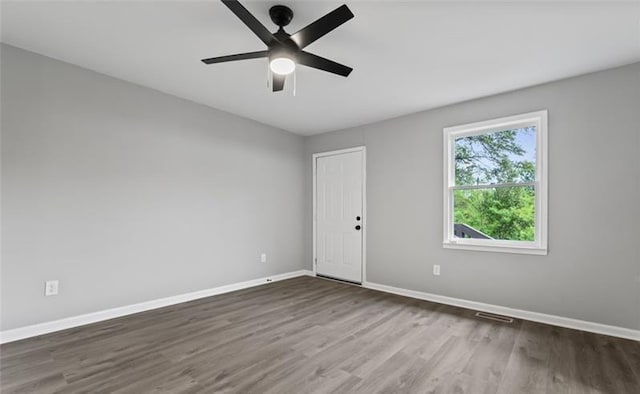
526 138
497 157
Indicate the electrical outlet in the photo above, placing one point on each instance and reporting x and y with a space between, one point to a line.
263 258
51 288
436 269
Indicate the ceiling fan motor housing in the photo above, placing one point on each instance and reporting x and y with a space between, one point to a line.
283 47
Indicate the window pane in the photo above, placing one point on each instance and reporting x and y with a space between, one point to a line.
498 157
505 213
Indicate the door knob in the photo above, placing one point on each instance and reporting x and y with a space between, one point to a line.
358 227
358 218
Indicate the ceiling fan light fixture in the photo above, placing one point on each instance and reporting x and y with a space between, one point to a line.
282 65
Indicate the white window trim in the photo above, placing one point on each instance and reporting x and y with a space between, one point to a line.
539 245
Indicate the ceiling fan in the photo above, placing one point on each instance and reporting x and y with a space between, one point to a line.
286 50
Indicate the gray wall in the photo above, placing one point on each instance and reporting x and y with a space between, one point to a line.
592 271
125 194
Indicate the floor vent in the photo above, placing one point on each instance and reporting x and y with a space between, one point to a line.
491 316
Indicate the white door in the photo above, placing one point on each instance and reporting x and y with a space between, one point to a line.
339 220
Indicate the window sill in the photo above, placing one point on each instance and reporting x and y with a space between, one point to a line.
495 248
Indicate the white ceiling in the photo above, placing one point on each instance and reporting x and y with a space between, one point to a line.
407 56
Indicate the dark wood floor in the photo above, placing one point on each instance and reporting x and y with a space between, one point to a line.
308 335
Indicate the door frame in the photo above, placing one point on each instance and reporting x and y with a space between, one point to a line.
315 158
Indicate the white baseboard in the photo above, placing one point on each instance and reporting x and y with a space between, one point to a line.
75 321
566 322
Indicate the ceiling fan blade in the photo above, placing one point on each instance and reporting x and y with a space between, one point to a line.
252 23
278 82
315 61
322 26
240 56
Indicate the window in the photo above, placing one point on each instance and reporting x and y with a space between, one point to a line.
495 185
